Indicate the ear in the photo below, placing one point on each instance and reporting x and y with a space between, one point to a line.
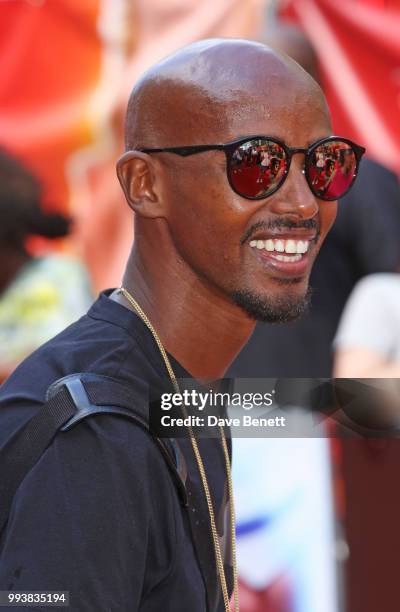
137 176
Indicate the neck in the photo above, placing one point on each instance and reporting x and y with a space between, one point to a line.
201 328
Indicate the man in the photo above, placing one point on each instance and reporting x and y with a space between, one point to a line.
99 515
368 217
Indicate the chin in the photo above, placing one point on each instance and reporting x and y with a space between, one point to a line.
282 307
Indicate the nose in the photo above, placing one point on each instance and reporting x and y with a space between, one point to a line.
295 197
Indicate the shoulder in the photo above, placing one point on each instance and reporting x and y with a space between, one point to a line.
372 312
101 466
373 176
106 454
376 287
376 189
91 344
372 296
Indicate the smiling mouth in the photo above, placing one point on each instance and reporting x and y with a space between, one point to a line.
284 250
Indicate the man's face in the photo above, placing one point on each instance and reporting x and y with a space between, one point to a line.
227 239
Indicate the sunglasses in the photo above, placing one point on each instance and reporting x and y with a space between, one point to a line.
257 166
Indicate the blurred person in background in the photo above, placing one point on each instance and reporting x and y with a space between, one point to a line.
39 296
367 343
364 240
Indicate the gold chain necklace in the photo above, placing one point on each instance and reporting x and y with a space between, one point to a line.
200 465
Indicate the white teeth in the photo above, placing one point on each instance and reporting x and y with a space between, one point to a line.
290 246
290 258
302 246
295 247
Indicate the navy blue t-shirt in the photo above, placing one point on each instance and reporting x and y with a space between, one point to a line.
99 514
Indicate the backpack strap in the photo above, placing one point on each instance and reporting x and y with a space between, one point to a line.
69 401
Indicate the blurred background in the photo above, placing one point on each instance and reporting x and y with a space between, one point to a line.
321 533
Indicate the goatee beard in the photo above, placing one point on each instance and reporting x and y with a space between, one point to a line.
277 310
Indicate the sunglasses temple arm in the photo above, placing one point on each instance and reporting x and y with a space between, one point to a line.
186 151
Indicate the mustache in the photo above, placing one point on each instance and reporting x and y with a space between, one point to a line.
281 223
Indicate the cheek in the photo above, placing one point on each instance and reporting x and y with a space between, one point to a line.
205 219
327 216
204 237
202 212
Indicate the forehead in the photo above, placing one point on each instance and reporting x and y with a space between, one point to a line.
296 115
276 107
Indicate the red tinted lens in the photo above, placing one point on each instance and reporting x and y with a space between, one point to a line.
332 169
257 167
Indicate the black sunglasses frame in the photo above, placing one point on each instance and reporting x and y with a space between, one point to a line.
230 147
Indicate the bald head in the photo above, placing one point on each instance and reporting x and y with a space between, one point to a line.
198 92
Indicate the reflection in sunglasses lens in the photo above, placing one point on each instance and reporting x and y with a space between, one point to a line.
257 167
331 169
